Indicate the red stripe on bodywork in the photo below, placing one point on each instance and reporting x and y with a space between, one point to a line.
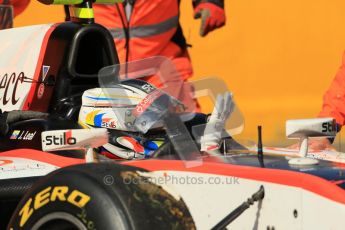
5 162
48 158
307 182
32 91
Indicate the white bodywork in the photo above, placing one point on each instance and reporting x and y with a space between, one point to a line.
20 56
326 155
85 139
316 127
73 139
15 167
210 203
305 128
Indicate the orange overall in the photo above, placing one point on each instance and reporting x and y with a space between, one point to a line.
334 98
148 32
151 30
18 5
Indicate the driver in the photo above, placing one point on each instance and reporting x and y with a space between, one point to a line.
120 109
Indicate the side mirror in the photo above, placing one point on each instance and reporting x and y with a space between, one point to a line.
85 139
305 128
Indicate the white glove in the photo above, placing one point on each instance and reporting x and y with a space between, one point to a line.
216 124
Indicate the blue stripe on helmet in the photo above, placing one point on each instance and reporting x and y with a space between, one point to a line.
98 120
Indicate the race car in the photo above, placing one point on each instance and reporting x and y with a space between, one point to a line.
51 178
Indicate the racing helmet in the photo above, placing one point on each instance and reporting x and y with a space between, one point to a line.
132 112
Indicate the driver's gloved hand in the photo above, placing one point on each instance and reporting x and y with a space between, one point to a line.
214 129
212 15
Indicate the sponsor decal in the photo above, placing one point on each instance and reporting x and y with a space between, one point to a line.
146 102
45 70
60 140
16 167
49 195
328 127
97 119
148 88
41 87
108 123
40 91
22 135
8 87
10 166
15 135
83 216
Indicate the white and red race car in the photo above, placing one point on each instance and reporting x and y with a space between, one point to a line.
45 71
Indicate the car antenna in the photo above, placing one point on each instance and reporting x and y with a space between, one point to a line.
260 152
